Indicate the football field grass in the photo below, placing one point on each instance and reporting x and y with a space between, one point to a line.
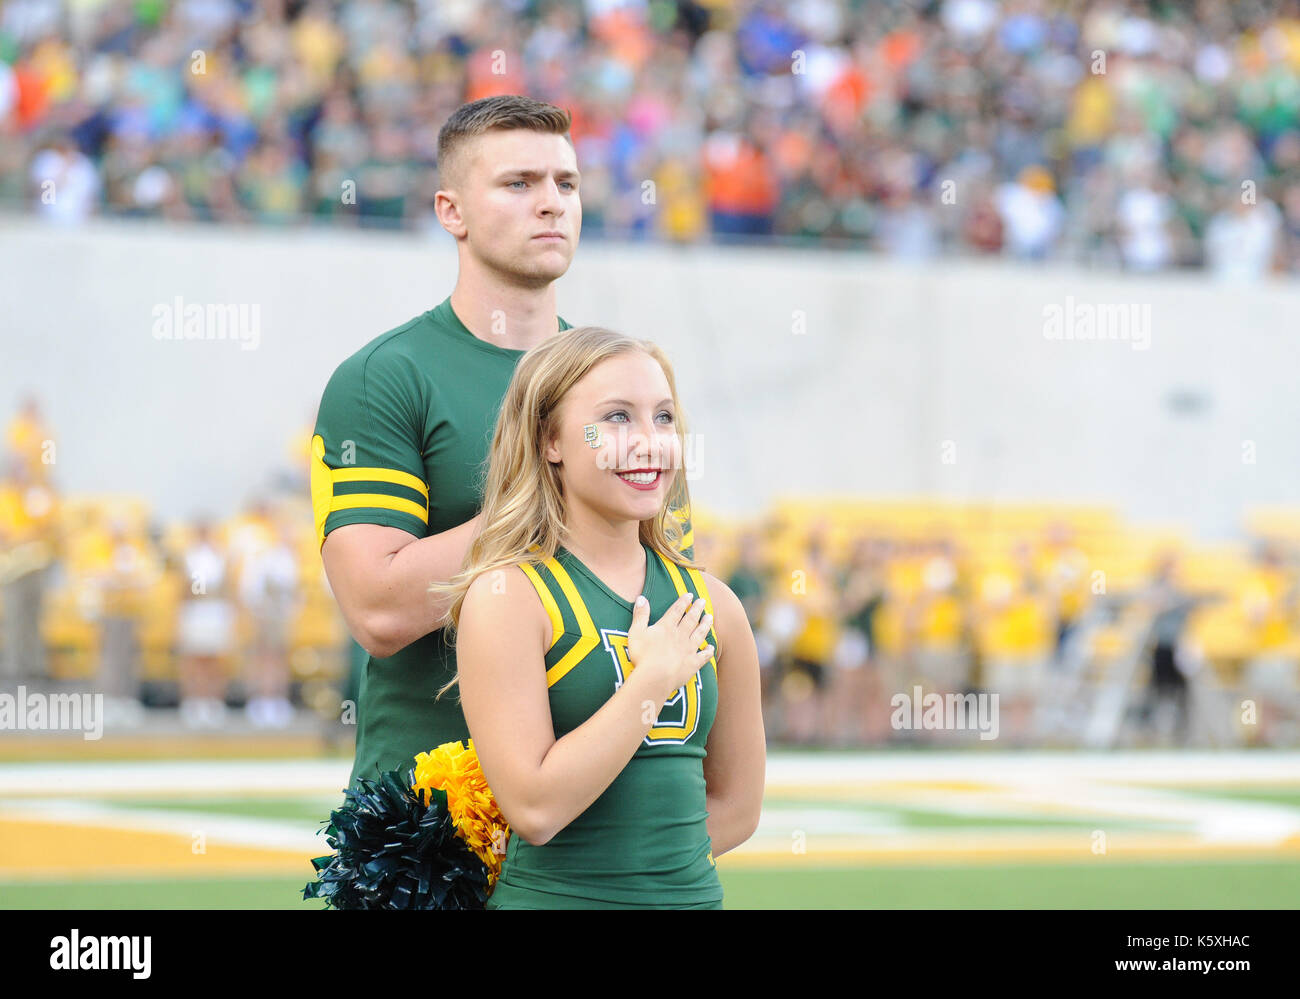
870 830
1231 885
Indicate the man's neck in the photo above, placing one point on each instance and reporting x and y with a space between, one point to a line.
510 317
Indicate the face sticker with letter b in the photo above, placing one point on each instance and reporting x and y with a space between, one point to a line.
591 434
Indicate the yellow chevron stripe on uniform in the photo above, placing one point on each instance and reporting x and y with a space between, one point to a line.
589 640
702 590
548 601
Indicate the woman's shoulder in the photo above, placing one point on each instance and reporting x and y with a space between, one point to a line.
729 617
508 581
717 587
505 596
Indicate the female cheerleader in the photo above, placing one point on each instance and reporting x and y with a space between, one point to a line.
626 755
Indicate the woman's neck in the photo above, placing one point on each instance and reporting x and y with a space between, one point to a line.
605 547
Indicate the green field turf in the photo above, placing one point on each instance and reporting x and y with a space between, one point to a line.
1275 795
1105 884
987 822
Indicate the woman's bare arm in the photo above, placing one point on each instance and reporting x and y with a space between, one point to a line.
735 768
540 783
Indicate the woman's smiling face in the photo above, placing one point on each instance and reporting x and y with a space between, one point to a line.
628 400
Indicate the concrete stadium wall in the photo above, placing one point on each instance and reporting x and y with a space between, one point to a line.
802 372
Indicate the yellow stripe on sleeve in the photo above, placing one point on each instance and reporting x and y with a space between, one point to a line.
381 501
392 475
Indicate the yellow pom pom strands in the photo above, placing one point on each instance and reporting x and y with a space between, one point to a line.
454 768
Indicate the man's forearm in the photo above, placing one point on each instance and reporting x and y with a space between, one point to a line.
408 611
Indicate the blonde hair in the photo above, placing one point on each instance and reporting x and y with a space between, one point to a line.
523 505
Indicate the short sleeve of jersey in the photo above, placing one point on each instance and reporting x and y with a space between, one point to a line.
687 545
367 463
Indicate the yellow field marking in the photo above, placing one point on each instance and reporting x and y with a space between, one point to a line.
198 796
37 850
48 748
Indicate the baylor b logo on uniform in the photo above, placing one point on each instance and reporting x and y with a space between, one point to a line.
680 715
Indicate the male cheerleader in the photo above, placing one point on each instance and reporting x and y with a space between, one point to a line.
405 423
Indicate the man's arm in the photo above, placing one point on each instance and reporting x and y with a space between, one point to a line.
370 501
380 577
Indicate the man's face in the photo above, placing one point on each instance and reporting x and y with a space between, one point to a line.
518 189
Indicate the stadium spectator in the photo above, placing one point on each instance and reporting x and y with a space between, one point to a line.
1243 238
1032 217
1011 630
27 550
1064 572
30 441
858 705
748 581
122 587
1271 677
269 591
1167 706
64 181
205 631
807 682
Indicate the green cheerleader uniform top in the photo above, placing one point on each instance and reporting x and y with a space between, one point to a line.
644 841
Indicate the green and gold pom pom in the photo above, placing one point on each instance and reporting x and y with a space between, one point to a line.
432 838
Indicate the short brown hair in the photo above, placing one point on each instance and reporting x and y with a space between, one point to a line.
494 113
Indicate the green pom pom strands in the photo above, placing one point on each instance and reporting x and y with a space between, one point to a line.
393 852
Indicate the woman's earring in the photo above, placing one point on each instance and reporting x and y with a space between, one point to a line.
591 434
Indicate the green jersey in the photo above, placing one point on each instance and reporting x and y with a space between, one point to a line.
402 435
644 841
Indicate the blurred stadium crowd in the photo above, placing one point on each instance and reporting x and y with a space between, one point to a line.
202 615
1089 631
1127 133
